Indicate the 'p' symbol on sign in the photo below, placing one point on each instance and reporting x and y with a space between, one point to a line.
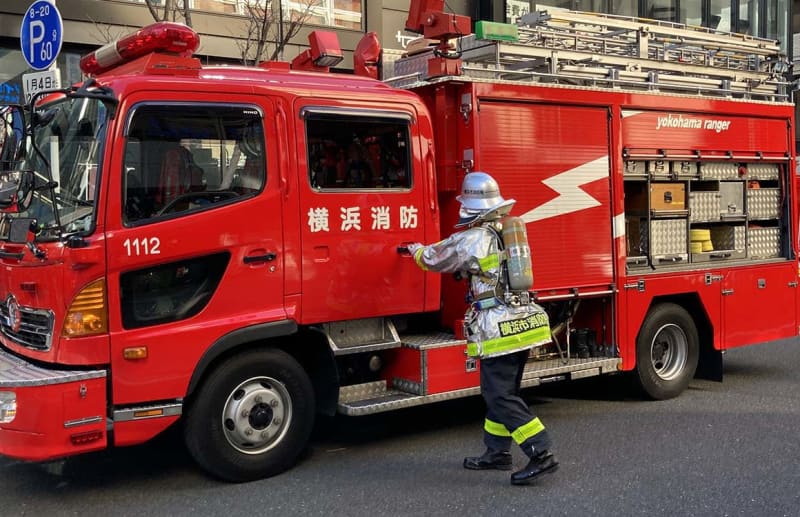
41 34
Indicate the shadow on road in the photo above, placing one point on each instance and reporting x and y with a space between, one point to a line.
166 460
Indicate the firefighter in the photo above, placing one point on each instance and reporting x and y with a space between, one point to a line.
501 327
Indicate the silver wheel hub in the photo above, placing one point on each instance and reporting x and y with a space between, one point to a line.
256 415
669 351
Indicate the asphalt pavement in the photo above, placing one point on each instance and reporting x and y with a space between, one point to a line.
730 448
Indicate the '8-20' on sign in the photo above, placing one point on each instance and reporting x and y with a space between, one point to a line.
41 34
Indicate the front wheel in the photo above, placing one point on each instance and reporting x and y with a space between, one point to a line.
252 416
667 351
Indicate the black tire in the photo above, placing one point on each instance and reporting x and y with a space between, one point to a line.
667 351
252 417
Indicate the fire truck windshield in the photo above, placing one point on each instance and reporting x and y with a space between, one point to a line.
68 146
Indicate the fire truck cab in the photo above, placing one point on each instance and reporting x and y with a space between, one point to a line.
227 245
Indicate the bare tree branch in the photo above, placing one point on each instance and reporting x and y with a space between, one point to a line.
264 30
106 33
172 10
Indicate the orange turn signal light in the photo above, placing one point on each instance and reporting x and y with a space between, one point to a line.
135 352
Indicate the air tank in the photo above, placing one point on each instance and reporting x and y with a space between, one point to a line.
518 262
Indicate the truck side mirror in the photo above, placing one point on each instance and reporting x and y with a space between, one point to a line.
20 229
16 191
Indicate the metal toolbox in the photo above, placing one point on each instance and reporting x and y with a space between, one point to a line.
634 168
731 201
763 203
667 197
667 240
684 169
719 171
763 242
728 242
704 206
762 171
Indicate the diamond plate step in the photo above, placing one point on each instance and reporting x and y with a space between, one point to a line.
377 397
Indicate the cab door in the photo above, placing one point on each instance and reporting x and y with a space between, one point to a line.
362 195
194 236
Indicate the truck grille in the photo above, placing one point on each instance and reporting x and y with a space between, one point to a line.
35 329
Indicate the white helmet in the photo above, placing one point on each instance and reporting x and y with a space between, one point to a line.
480 199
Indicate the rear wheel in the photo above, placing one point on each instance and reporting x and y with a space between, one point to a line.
667 350
252 417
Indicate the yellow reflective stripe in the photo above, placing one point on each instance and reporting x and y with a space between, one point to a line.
490 262
508 343
495 428
418 258
528 430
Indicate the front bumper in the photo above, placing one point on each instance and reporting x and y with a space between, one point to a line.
58 412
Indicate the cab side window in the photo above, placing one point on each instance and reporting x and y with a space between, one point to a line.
357 152
185 158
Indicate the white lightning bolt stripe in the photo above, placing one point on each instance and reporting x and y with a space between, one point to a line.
571 197
630 113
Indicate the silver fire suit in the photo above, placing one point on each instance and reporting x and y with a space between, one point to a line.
499 333
493 328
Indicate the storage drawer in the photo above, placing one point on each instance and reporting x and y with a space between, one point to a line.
668 242
667 197
762 171
763 242
704 206
719 171
763 203
731 202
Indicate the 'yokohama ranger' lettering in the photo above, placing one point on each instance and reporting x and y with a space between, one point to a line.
681 122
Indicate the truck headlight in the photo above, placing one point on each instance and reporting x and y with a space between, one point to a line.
8 406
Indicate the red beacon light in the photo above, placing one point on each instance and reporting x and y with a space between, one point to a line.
166 37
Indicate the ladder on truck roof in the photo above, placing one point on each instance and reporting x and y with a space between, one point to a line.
597 50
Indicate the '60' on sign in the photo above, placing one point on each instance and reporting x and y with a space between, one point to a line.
41 34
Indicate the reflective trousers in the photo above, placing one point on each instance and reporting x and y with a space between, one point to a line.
507 415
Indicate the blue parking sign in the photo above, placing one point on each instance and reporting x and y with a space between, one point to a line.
41 34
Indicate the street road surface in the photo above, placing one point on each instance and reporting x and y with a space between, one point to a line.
730 448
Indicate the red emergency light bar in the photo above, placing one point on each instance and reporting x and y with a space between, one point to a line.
167 37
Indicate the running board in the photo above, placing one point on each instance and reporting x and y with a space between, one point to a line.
377 397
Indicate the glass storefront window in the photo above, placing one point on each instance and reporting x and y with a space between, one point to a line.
662 10
595 6
720 17
346 14
623 7
691 13
747 21
516 9
335 13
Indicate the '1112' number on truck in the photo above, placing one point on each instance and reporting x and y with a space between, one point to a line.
142 246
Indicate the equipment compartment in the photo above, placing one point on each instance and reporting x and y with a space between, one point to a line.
763 203
667 238
763 242
718 242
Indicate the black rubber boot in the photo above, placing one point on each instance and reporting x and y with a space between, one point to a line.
491 459
543 463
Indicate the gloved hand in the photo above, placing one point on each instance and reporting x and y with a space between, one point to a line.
413 247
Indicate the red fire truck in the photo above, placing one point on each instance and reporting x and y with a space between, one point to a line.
225 246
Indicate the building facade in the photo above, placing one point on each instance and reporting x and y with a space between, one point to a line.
223 24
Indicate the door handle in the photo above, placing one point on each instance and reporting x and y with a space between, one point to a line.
260 258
